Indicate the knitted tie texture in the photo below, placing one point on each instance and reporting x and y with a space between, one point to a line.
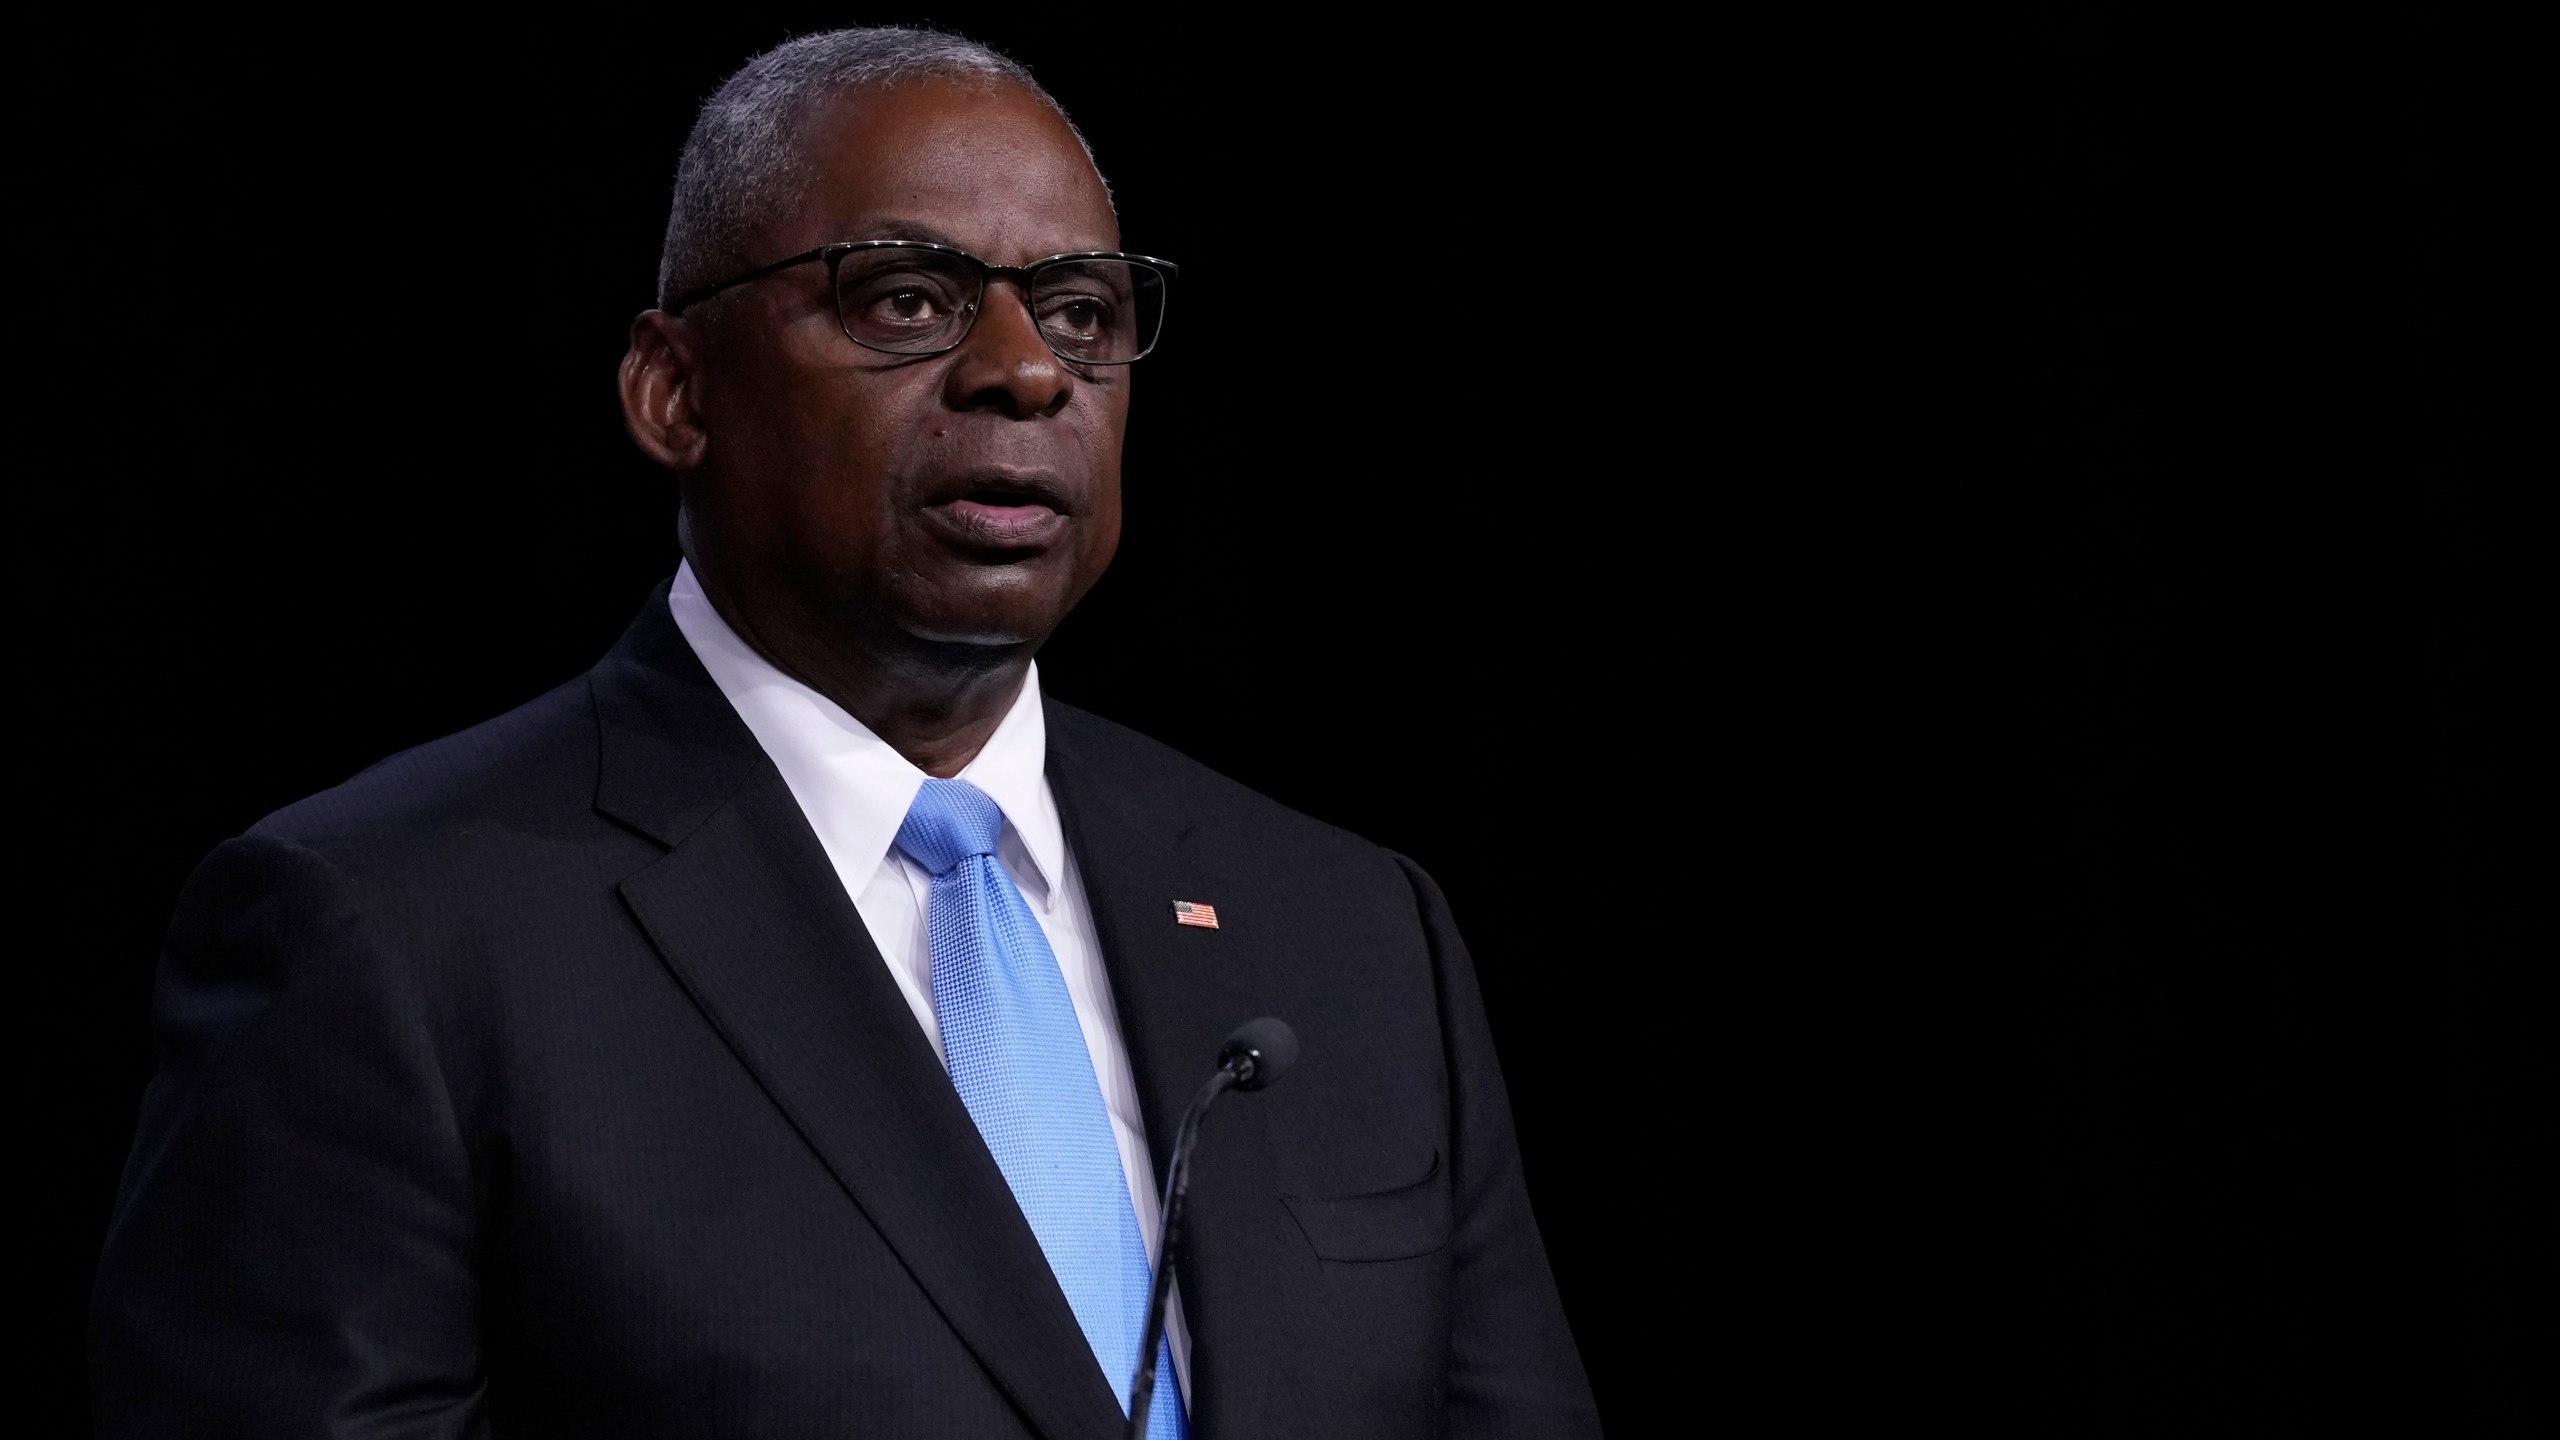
1018 1059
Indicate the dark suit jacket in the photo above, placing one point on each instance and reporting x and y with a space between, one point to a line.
544 1081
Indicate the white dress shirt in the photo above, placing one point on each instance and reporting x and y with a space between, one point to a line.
856 790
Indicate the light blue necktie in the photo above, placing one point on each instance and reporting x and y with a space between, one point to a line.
1010 1036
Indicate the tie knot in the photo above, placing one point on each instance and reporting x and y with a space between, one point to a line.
951 821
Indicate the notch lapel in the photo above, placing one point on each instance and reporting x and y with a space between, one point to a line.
1179 990
752 920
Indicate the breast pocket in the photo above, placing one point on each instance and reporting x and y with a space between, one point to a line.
1396 1224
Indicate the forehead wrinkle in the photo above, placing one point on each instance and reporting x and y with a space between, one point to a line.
952 182
895 228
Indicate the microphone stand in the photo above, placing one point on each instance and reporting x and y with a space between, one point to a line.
1142 1389
1253 1057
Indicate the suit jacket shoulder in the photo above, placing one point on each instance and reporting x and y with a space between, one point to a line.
1178 796
531 765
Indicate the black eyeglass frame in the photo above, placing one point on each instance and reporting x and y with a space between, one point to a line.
1019 275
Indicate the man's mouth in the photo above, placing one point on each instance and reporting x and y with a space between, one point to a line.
1002 512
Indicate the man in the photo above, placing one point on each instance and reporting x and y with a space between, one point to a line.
780 1030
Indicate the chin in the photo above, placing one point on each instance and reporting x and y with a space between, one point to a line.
989 628
978 637
1002 616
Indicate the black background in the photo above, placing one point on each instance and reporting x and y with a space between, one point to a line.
1950 609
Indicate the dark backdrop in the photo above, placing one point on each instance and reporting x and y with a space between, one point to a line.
1948 608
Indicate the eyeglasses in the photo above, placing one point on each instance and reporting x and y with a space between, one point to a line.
907 297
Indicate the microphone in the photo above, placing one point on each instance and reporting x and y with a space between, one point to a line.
1254 1057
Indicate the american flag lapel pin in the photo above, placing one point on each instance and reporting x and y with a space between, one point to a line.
1187 913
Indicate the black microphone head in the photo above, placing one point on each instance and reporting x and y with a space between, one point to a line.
1260 1051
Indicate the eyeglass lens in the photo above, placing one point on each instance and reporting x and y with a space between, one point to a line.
917 302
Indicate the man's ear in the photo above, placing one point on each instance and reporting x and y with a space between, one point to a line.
660 379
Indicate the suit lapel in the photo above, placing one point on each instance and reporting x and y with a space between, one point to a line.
750 917
1179 991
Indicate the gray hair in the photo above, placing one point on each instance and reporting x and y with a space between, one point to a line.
743 167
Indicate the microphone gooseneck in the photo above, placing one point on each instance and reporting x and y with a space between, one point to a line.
1255 1056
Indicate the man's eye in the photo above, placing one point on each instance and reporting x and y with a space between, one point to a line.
909 306
1077 315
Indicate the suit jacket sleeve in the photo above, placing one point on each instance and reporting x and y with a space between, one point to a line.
1513 1368
291 1253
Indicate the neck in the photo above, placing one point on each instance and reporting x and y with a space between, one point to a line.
939 714
935 703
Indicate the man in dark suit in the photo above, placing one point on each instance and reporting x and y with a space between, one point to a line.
646 1062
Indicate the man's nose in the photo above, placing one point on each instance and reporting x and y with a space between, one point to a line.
1004 365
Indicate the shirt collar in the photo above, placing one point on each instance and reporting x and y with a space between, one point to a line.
854 788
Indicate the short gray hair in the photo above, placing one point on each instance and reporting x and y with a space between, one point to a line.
743 167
